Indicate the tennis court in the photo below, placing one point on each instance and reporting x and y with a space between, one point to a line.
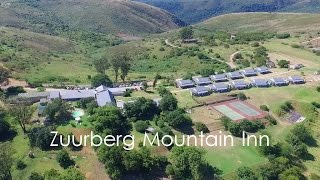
238 110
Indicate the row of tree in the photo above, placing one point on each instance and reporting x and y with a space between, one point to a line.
120 63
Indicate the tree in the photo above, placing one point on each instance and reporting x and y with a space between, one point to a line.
141 126
186 33
58 110
245 173
283 63
168 103
35 176
14 90
72 174
141 108
64 160
144 85
4 127
302 132
112 157
101 65
122 62
22 115
101 79
201 127
110 120
163 91
68 174
41 137
5 161
4 74
177 118
189 163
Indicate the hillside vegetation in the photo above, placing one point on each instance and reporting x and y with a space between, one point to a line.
271 22
193 11
99 16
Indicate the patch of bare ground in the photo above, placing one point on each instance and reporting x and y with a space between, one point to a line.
89 165
292 59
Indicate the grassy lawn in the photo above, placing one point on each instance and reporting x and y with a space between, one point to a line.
229 159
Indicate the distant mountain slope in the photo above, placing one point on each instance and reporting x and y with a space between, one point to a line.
274 22
103 16
192 11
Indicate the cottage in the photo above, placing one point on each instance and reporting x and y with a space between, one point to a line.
200 91
279 81
249 72
263 70
240 84
234 75
34 97
296 79
219 78
220 87
260 83
202 81
185 83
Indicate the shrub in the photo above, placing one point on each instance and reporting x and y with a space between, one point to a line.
255 44
316 104
241 96
201 127
127 93
161 49
318 88
264 108
64 159
296 46
141 126
283 63
283 36
20 165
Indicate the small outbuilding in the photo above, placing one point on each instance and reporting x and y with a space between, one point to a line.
185 83
200 91
263 70
249 72
234 75
279 81
296 79
240 84
220 87
260 83
219 78
202 81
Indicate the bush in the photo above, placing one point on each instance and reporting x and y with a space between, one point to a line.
316 104
296 46
161 49
283 63
64 160
168 103
241 96
264 108
101 79
255 44
318 88
201 127
127 93
20 165
35 176
141 126
283 36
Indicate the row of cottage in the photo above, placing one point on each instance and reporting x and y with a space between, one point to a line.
203 85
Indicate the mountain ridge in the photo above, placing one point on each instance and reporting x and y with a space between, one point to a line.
193 11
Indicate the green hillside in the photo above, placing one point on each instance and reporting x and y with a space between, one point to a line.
193 11
97 16
271 22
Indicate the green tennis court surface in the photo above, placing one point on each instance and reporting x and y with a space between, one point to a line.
238 110
244 108
229 112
